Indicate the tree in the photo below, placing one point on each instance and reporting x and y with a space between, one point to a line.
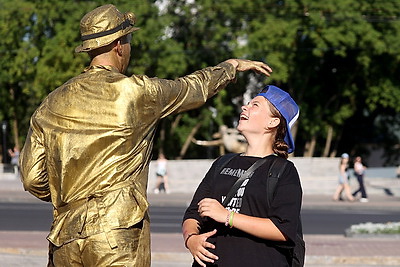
339 59
16 57
37 52
329 56
353 45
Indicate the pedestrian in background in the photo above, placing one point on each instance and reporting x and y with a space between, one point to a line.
359 171
161 174
14 154
343 180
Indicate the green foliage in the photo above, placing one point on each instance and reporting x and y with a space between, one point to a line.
56 35
338 58
385 94
16 57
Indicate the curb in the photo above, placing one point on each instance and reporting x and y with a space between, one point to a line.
185 258
23 251
322 250
172 257
346 260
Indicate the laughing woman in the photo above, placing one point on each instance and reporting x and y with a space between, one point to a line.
249 232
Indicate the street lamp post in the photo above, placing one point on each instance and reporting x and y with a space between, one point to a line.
4 144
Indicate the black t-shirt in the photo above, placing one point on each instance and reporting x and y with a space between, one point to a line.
235 247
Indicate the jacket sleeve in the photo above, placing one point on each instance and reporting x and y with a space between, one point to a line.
33 164
187 92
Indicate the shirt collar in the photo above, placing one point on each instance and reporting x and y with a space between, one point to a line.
99 67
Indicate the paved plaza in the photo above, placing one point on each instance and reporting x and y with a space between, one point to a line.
29 249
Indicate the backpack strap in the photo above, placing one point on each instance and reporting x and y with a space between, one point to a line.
223 161
274 173
239 181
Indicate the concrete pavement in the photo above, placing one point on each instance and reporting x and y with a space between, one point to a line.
29 249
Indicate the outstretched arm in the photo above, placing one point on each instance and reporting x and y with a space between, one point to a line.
191 91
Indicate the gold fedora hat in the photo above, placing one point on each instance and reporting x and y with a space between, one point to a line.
104 25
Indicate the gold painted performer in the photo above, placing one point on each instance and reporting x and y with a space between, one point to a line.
89 145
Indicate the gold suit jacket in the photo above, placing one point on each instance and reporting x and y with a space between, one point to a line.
89 145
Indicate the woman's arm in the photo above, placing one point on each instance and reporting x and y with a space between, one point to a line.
189 227
258 227
343 170
197 243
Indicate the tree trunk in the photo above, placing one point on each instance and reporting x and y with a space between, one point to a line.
14 123
188 140
306 149
294 129
336 144
15 131
328 141
175 123
310 146
162 138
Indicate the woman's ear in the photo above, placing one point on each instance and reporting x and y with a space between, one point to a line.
274 122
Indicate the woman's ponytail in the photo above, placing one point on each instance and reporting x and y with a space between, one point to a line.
279 146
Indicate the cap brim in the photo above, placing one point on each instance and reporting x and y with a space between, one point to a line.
103 41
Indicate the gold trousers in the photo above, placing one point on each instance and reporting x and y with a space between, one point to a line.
94 251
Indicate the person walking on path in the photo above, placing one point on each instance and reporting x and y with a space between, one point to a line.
14 154
161 175
343 180
249 232
359 171
89 144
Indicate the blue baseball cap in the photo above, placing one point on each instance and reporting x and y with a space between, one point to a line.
284 103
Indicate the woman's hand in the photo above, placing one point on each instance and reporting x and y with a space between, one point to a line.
209 207
197 245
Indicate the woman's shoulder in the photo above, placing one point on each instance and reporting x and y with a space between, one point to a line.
286 169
